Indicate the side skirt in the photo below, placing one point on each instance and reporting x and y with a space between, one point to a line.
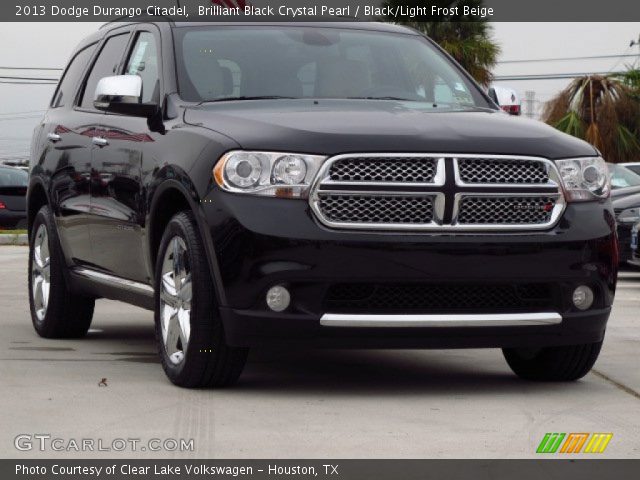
102 285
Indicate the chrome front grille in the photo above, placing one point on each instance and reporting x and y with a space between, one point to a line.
437 192
502 171
377 209
384 169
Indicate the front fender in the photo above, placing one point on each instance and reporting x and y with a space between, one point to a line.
174 178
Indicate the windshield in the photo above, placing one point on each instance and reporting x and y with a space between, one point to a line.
623 177
13 177
218 63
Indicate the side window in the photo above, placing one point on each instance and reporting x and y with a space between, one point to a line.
67 86
105 66
143 61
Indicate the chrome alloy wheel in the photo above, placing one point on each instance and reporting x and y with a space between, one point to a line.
175 300
41 272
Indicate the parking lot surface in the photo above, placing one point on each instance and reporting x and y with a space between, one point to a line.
301 403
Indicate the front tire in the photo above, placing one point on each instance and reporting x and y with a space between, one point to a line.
56 312
189 329
559 364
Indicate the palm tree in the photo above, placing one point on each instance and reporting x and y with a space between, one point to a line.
466 38
631 78
602 111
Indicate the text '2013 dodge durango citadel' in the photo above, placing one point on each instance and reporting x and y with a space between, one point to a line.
323 184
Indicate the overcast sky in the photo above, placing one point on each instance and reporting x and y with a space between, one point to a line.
49 45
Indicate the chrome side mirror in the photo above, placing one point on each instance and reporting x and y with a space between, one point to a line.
122 94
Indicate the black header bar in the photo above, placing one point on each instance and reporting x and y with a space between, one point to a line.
325 10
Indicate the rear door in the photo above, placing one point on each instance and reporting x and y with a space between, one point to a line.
66 157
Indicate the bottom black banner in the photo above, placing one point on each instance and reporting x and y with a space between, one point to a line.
547 469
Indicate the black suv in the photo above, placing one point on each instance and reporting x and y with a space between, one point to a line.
343 185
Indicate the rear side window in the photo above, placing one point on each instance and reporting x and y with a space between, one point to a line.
105 66
71 78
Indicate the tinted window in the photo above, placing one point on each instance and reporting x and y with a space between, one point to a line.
105 66
67 86
216 63
13 177
144 62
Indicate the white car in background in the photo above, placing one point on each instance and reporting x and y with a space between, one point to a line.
633 166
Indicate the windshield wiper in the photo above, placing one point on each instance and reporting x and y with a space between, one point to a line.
260 97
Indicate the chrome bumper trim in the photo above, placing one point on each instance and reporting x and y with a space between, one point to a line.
441 320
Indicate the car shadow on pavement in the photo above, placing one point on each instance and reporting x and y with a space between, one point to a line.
338 372
386 372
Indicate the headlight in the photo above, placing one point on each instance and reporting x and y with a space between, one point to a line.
584 179
271 174
290 170
629 215
244 170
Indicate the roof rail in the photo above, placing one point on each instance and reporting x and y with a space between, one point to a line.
139 19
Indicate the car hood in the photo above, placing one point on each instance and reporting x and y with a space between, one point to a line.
620 193
340 126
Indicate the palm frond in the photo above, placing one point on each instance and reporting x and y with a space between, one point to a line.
601 110
571 124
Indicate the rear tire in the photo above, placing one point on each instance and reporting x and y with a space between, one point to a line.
189 330
56 312
553 364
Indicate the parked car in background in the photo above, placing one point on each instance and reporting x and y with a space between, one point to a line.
13 194
627 212
22 165
624 182
507 99
633 166
622 177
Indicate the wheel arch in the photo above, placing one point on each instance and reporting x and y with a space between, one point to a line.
172 196
36 198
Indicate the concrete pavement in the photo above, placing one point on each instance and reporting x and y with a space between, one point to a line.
303 404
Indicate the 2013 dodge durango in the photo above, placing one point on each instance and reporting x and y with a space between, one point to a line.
322 184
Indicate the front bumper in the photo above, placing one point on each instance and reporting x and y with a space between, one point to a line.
262 242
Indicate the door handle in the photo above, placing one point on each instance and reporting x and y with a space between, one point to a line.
54 137
101 142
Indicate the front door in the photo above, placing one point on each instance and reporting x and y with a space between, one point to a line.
117 199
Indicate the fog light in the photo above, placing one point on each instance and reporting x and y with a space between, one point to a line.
583 297
278 298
